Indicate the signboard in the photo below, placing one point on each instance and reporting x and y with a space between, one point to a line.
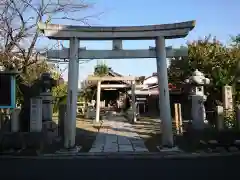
7 91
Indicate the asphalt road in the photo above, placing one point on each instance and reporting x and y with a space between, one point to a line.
121 168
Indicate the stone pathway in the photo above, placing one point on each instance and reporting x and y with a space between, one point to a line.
118 136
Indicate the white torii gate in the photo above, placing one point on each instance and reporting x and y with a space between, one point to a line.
156 32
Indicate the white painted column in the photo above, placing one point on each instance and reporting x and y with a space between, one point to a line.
164 101
133 89
73 71
98 101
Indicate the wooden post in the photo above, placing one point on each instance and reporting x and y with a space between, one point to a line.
220 118
178 118
133 102
98 101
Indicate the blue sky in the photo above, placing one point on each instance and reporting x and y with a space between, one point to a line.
217 17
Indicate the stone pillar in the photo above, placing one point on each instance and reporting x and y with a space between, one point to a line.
47 106
133 89
164 101
73 70
36 115
15 124
198 112
228 100
98 101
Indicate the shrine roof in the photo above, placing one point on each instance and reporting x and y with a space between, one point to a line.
112 74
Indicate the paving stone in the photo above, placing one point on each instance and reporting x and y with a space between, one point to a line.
139 145
99 146
125 148
101 138
123 141
220 149
209 150
110 145
213 142
171 150
137 141
237 142
113 138
202 142
111 149
118 137
140 149
95 150
233 149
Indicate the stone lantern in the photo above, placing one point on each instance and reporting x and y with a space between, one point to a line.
197 82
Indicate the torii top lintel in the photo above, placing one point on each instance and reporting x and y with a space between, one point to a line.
65 32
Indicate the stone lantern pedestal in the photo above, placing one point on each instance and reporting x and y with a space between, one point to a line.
197 82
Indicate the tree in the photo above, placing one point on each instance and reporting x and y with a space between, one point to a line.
34 72
217 61
19 34
101 69
59 92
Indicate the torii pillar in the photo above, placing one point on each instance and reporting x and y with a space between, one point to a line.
73 72
164 100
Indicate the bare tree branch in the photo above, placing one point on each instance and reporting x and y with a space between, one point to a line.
18 26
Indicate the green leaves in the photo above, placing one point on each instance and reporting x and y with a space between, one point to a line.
214 59
101 69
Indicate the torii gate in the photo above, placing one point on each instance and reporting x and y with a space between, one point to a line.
156 32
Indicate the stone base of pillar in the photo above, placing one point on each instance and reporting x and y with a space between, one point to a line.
69 151
169 149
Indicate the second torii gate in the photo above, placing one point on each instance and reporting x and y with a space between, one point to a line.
133 85
155 32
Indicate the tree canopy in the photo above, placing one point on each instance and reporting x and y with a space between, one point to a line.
217 61
20 39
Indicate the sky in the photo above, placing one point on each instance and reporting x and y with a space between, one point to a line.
219 18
